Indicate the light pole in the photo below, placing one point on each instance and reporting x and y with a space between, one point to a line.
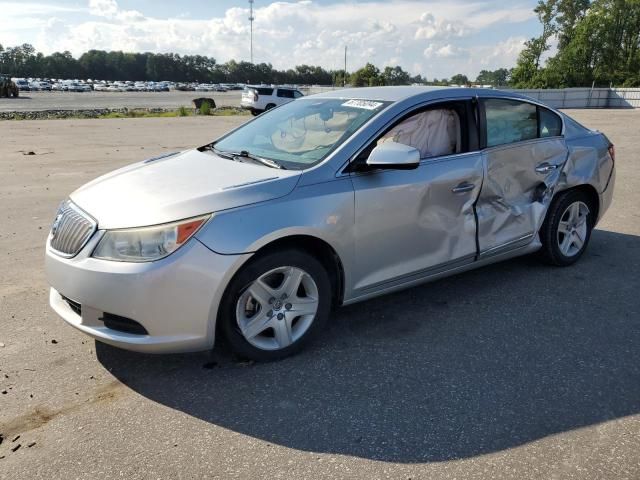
251 19
344 76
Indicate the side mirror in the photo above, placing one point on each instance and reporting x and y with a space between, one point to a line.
395 156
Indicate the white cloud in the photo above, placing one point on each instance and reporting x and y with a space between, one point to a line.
502 54
103 8
431 27
446 39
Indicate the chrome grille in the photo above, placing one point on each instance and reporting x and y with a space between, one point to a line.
71 230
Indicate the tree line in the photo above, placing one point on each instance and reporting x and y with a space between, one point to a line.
598 43
24 61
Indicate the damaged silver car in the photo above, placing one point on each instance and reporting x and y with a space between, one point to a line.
328 200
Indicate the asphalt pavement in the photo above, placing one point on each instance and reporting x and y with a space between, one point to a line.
516 371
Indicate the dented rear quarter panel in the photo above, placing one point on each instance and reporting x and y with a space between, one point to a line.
588 162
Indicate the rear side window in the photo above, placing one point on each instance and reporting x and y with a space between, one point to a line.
510 121
297 94
264 91
550 123
285 93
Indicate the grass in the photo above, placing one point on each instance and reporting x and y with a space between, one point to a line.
139 113
205 109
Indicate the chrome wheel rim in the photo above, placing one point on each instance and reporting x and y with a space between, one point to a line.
277 308
573 228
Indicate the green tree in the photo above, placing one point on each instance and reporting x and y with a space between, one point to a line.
459 79
496 78
527 70
395 76
598 42
367 76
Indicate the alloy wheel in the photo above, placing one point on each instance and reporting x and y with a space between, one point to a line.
573 229
277 308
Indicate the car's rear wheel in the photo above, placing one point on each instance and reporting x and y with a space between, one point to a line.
275 305
269 106
567 229
254 112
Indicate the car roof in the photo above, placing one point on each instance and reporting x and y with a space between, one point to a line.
397 94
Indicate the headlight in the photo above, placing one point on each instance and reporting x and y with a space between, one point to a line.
147 243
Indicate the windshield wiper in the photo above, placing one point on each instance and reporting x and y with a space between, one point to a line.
245 154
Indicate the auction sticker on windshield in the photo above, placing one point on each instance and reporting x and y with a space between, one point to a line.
366 104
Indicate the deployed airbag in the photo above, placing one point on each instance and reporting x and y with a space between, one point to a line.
432 132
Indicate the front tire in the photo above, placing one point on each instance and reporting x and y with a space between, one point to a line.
275 305
567 229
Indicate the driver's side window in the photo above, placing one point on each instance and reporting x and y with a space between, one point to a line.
434 131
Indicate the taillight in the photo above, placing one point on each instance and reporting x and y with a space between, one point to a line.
255 95
612 151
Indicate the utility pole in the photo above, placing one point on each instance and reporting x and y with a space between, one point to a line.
251 19
344 76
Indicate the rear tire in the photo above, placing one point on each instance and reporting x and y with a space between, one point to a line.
567 228
269 106
275 305
254 112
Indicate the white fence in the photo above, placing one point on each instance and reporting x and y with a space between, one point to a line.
586 97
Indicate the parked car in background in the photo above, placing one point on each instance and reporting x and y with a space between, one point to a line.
185 87
22 84
260 98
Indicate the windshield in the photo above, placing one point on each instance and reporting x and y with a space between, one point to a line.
301 133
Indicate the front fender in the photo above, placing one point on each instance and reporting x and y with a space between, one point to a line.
324 210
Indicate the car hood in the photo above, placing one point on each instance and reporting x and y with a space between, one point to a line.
177 186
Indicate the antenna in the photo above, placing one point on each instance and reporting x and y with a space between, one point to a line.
251 19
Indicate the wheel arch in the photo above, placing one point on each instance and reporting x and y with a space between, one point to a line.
315 246
320 249
591 193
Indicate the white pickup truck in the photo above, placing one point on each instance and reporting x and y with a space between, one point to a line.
260 98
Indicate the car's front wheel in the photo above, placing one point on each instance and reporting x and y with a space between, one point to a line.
275 305
567 229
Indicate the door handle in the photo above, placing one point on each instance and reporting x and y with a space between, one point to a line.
546 167
463 187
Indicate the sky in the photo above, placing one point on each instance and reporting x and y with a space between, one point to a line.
434 38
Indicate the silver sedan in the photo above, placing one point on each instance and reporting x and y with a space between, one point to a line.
325 201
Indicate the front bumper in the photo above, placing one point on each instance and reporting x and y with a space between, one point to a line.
175 299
